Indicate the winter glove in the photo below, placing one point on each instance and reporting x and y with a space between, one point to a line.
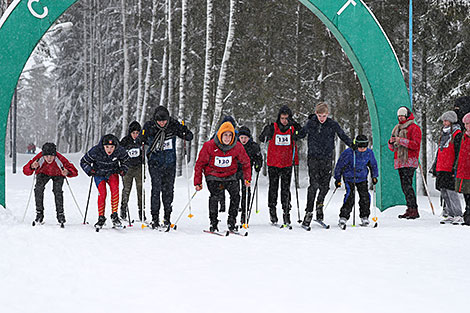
122 173
374 180
258 166
338 184
92 172
198 187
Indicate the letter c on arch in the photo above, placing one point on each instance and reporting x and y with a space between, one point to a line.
34 13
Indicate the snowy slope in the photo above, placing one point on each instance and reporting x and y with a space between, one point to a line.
401 266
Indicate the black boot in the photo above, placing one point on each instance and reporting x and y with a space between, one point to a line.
115 220
39 217
307 219
155 221
101 221
286 217
61 218
213 226
273 215
319 210
123 213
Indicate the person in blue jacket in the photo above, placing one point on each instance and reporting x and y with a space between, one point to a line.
159 136
354 166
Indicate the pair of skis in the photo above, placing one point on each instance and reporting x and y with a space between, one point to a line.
34 223
225 233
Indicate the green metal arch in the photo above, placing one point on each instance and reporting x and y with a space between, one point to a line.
352 23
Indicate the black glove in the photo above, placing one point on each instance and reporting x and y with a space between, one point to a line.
338 184
374 180
354 145
258 166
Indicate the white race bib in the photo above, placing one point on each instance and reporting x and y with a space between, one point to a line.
134 152
223 161
282 140
168 145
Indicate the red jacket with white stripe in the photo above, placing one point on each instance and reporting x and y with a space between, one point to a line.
52 169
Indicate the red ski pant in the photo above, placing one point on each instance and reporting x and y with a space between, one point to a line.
113 182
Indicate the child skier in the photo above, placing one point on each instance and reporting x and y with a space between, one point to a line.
253 151
462 183
445 166
133 145
281 157
49 165
104 162
218 160
354 166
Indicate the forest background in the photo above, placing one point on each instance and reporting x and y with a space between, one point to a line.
203 59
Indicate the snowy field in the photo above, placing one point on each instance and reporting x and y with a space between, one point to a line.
401 266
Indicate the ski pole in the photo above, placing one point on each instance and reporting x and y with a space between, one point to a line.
353 189
296 181
142 219
426 187
73 196
334 191
88 200
174 226
374 203
129 217
254 193
185 156
29 198
247 205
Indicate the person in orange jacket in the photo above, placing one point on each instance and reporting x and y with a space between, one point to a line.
218 160
49 165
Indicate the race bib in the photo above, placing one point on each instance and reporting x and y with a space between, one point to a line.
168 145
282 140
223 161
134 152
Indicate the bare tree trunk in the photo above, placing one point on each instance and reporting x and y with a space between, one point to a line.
424 118
297 58
207 76
149 63
85 83
140 67
164 75
125 94
171 68
182 83
219 100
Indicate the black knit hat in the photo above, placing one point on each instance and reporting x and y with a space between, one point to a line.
49 148
110 140
161 114
361 141
134 126
244 131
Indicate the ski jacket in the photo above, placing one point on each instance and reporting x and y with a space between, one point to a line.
97 162
281 147
321 137
462 182
354 165
411 143
448 152
52 169
253 151
134 150
213 161
161 142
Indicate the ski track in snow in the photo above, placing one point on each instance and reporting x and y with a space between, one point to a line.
401 266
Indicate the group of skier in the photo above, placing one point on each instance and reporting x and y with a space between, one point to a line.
228 158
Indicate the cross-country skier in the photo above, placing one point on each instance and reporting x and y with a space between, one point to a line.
462 183
218 160
49 165
105 162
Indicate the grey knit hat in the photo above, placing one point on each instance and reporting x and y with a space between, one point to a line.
450 116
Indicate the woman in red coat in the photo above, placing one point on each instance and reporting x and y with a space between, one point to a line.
405 143
218 160
462 182
49 165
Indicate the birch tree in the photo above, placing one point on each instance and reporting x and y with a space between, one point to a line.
125 88
171 68
140 56
208 72
219 98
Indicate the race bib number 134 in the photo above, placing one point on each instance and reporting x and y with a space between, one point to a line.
282 140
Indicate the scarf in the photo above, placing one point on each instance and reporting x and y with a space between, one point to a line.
401 131
447 136
160 137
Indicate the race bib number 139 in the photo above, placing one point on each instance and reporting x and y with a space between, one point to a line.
282 140
223 161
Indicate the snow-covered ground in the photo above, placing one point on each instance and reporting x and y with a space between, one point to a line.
401 266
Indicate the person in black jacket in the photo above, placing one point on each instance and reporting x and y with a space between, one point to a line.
159 135
321 131
254 153
281 147
133 145
104 162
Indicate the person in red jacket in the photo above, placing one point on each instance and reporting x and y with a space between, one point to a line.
49 165
445 166
462 182
218 160
405 142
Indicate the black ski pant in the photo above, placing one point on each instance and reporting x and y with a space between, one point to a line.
163 183
217 189
134 173
57 183
406 180
284 175
349 197
319 172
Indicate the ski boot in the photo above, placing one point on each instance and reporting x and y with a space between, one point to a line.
61 219
286 217
115 219
213 227
307 220
123 213
319 211
273 216
406 214
413 214
155 224
364 221
342 223
100 223
39 220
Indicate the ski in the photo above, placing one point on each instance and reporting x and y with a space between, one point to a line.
342 226
37 223
98 228
275 224
322 224
236 232
218 233
288 226
307 228
119 227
